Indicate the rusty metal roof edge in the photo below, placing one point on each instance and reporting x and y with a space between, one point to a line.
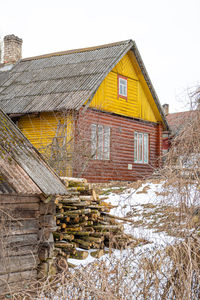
38 153
103 76
75 51
149 83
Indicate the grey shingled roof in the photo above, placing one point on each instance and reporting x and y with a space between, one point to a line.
22 169
64 80
4 75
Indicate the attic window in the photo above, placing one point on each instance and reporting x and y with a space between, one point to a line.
122 87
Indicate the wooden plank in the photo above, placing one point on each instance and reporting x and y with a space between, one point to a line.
20 206
17 250
18 263
18 199
15 232
23 239
16 287
17 277
20 214
9 225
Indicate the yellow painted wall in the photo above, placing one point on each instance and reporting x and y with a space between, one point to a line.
41 130
139 104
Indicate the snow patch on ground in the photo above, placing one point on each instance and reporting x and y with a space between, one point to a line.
134 200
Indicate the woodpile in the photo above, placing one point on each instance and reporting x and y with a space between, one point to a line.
83 221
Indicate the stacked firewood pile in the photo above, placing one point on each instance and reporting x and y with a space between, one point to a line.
83 221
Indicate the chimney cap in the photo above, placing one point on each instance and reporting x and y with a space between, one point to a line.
165 108
12 49
13 37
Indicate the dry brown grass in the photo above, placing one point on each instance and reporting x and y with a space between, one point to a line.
170 273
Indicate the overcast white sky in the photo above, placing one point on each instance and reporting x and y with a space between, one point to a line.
167 33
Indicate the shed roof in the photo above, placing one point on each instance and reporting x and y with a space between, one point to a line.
22 168
64 80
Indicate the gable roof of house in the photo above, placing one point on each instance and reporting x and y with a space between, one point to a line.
22 168
64 80
4 72
177 121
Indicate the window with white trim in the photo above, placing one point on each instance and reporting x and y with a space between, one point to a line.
141 148
100 142
122 87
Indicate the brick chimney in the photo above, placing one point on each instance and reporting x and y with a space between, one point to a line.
165 109
12 49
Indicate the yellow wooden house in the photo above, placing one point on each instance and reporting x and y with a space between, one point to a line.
92 112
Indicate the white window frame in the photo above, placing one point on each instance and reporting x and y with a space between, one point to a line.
100 142
122 87
141 148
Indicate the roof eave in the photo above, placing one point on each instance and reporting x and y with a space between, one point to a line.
149 83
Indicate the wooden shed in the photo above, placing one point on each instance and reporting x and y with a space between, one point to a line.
27 189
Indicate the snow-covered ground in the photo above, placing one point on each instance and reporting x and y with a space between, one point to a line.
133 203
154 220
141 206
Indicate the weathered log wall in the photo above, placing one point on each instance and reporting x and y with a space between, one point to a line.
25 240
121 165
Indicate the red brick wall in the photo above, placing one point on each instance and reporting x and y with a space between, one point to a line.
121 149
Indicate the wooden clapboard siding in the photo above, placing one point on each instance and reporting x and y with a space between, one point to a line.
139 103
121 147
42 129
19 240
39 129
